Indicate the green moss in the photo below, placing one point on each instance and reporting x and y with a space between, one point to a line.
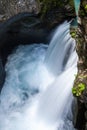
77 90
48 5
71 3
73 34
82 13
51 5
85 7
80 84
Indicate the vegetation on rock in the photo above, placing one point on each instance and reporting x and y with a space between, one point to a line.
73 32
78 89
49 5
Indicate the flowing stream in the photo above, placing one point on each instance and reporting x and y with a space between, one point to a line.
37 91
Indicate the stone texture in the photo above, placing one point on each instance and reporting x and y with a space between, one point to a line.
54 12
82 34
81 123
9 8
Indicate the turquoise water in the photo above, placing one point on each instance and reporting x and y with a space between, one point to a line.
74 23
77 4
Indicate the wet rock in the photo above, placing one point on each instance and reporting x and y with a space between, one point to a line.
80 121
81 38
24 28
82 34
53 12
9 8
74 110
86 126
2 75
86 115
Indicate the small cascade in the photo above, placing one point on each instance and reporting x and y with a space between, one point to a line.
37 90
58 93
77 5
62 46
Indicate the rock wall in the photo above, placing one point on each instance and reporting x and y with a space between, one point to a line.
82 34
51 11
80 86
54 12
9 8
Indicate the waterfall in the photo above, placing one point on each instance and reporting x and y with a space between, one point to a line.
62 46
37 91
77 5
56 96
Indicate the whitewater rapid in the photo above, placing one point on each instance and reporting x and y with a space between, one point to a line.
37 91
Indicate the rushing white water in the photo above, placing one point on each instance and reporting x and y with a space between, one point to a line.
62 47
37 91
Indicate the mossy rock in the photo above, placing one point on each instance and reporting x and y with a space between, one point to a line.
80 86
83 9
78 89
73 33
49 5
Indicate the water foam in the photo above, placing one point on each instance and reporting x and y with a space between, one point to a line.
37 90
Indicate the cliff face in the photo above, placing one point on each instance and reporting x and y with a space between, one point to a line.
54 12
80 86
9 8
82 33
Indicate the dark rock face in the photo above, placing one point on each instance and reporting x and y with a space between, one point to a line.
81 123
54 12
2 75
23 28
80 92
82 34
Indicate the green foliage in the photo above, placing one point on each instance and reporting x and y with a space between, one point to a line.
85 7
77 90
82 13
73 34
48 5
71 2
